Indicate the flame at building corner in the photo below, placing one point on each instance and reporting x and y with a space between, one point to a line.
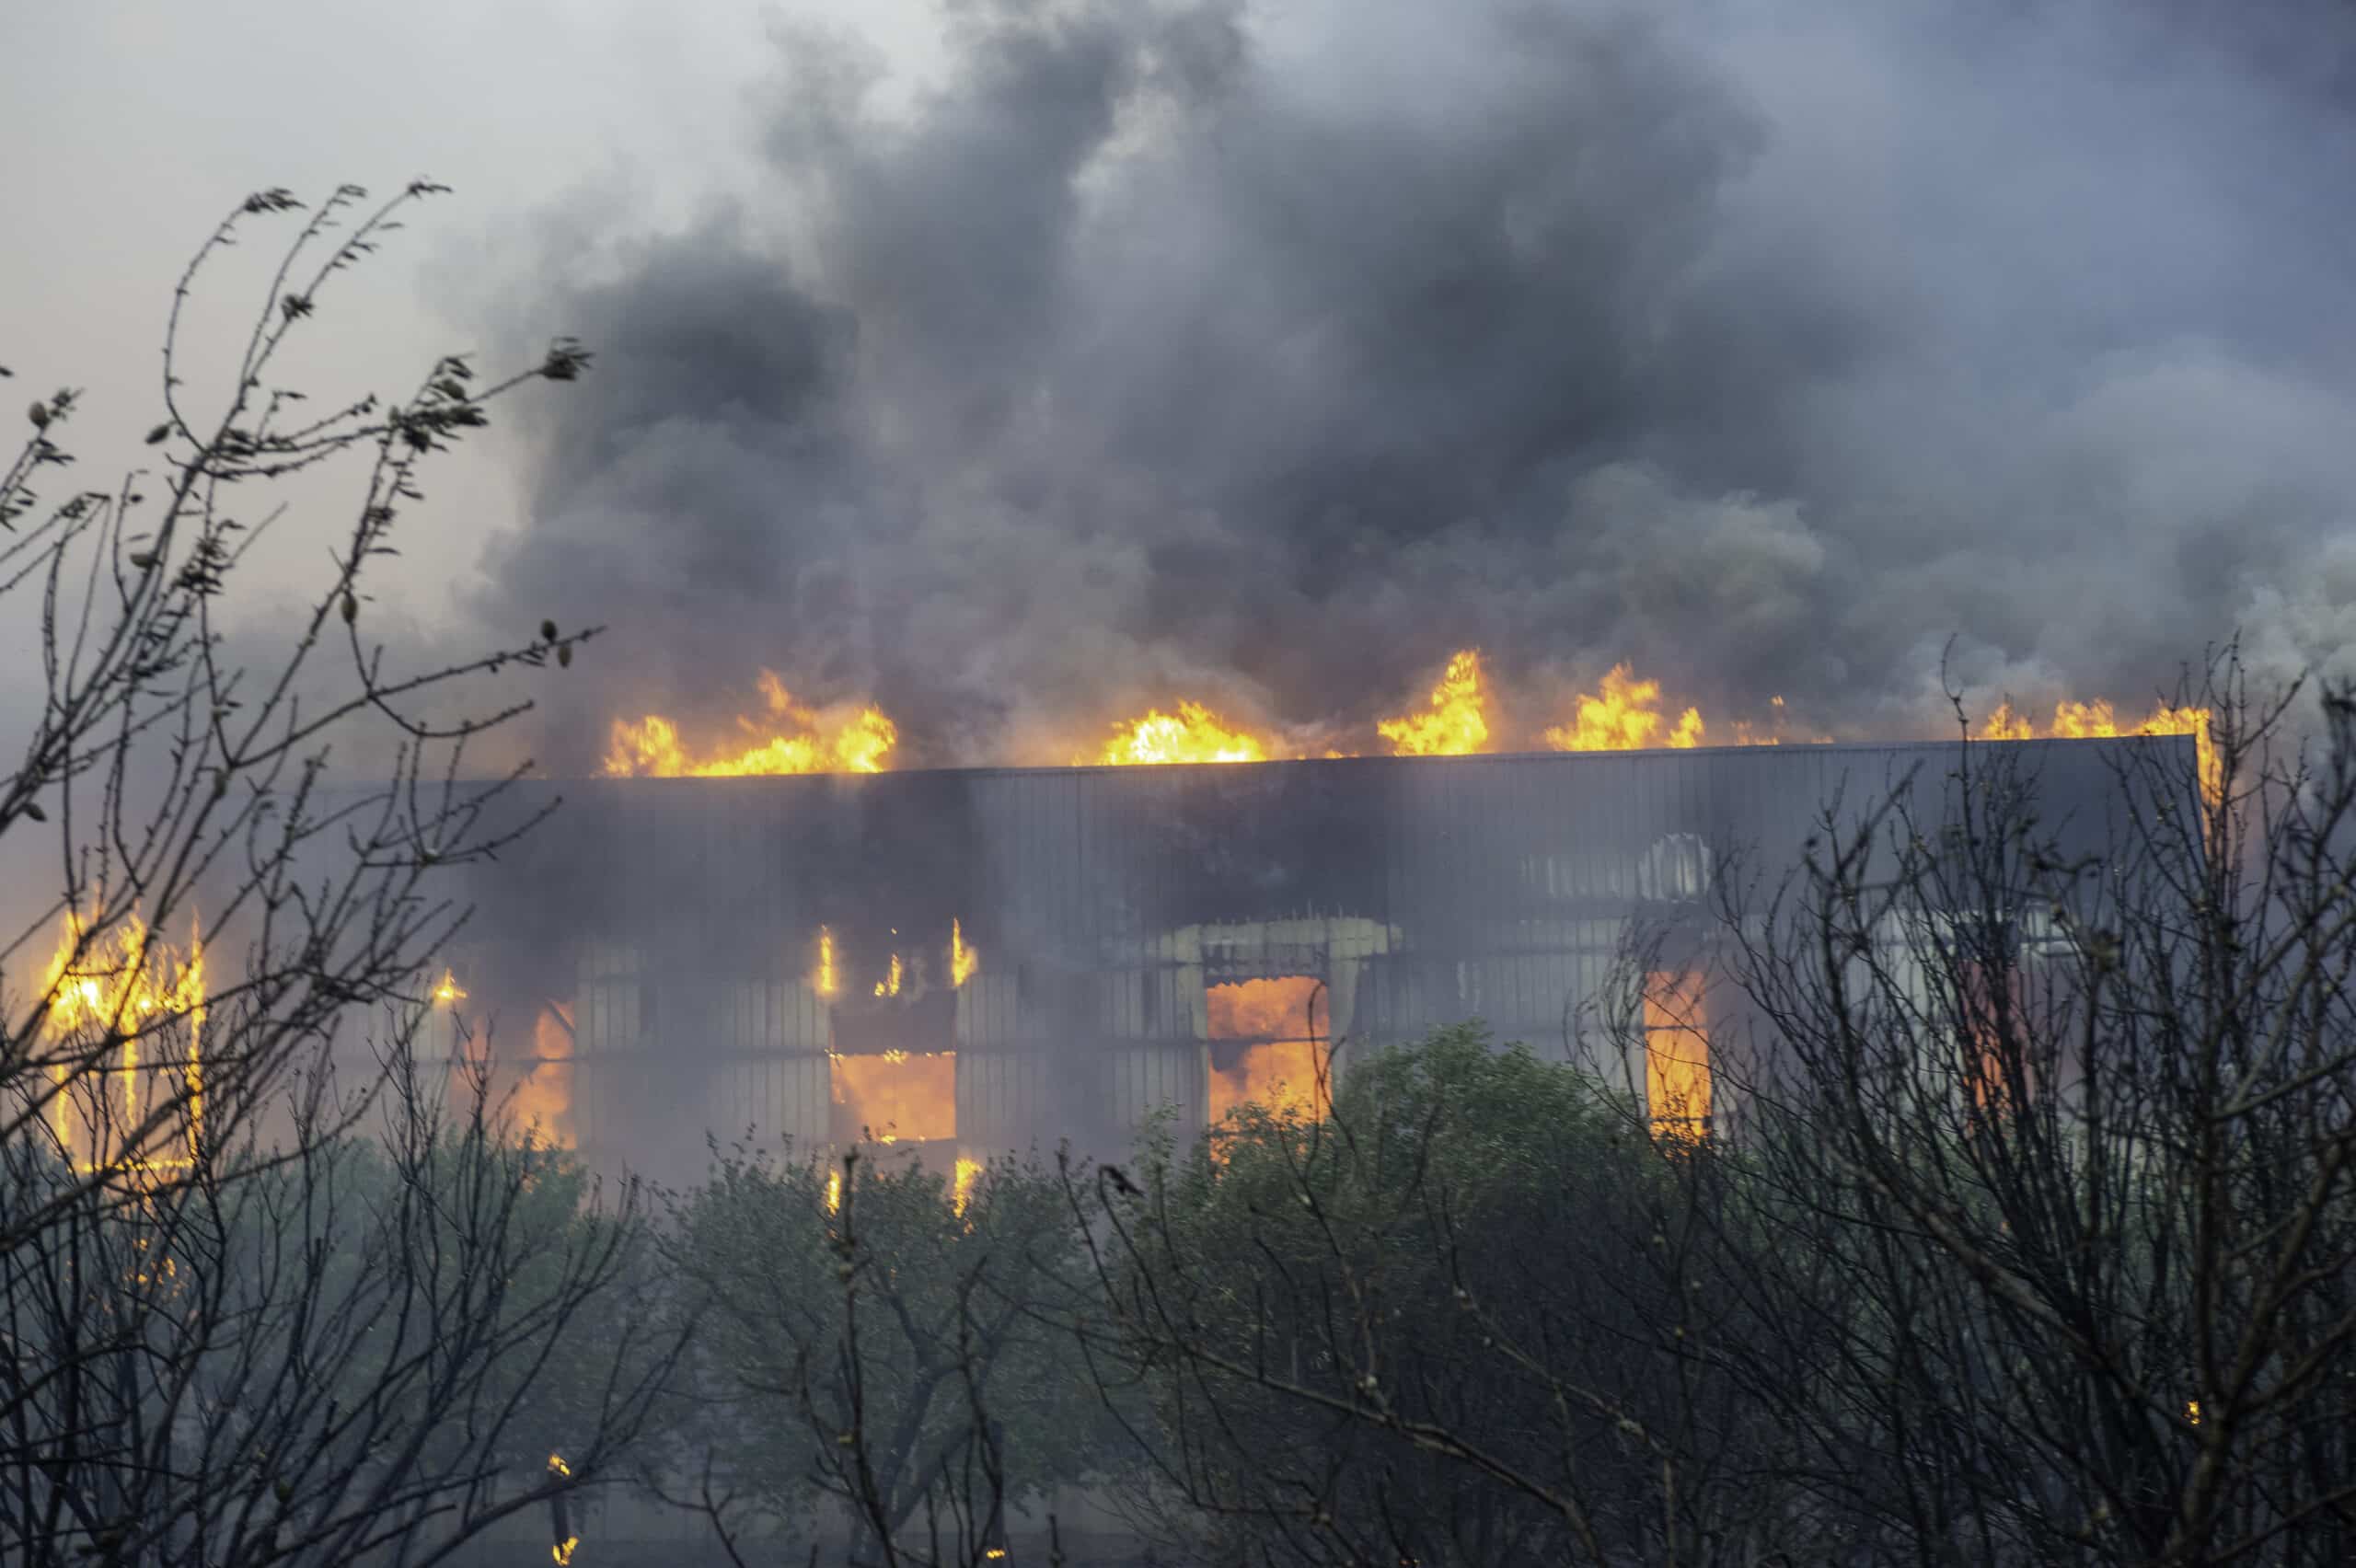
1456 719
963 960
124 983
790 738
2077 720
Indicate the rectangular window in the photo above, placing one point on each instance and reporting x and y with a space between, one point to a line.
1991 1025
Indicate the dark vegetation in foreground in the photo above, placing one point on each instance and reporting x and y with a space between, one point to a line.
2017 1230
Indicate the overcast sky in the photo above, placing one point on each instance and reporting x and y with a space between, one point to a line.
140 122
1019 364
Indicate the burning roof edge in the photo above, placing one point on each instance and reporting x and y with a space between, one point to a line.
1652 755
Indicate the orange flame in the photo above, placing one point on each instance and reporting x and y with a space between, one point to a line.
963 960
1458 722
561 1553
1769 734
1625 715
1192 734
889 985
2074 721
792 739
1279 1071
961 1191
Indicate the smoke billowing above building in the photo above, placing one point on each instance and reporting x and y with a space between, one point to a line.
1265 354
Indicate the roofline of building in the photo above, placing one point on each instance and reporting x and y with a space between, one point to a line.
1606 758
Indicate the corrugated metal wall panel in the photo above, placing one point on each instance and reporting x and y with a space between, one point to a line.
1006 1102
610 1097
607 1020
989 1010
768 1017
771 1097
681 915
1141 1079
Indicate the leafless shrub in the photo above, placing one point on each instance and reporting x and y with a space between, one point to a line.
269 1298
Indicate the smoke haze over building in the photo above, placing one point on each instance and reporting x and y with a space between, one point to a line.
1267 354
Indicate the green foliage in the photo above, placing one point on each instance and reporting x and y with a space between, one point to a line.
892 1351
1339 1315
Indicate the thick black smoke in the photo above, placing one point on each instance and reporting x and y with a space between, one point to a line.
1267 354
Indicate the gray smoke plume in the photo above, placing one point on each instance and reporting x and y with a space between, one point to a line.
1266 353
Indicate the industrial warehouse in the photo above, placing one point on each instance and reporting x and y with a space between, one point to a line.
976 963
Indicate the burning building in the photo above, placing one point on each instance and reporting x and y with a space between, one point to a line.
974 961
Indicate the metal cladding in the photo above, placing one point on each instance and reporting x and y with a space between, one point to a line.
680 920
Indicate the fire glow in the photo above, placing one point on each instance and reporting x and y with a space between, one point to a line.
1192 734
1677 1057
123 984
1277 1066
544 1094
824 980
896 1096
788 738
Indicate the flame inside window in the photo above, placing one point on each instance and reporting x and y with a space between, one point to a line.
1677 1055
900 1096
1277 1065
1992 1050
